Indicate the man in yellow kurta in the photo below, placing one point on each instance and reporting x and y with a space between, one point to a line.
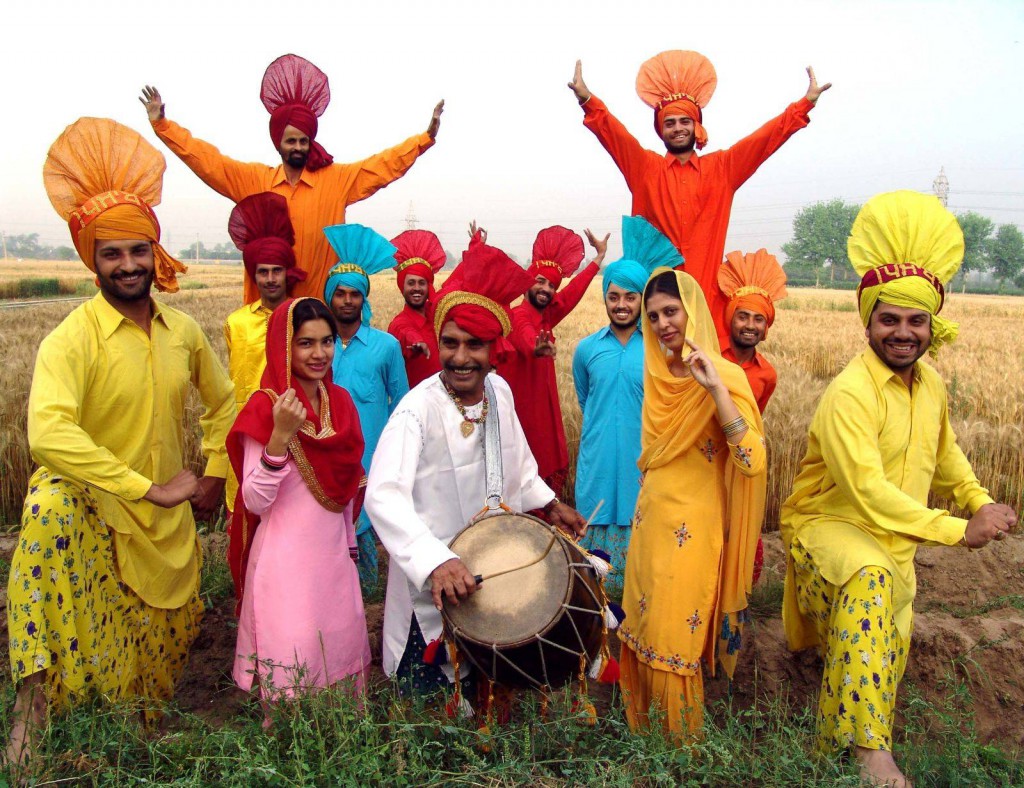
879 442
318 189
261 228
103 594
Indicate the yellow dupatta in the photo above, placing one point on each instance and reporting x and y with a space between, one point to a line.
675 413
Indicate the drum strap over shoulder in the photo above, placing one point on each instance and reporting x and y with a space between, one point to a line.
492 450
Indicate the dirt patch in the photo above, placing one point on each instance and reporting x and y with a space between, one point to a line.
968 624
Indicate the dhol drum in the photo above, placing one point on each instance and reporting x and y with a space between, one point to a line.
529 627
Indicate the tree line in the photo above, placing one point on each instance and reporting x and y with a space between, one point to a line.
817 253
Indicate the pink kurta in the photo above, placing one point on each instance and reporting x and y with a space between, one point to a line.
302 623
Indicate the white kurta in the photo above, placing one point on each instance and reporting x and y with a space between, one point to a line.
426 482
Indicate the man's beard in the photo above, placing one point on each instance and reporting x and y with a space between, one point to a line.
138 292
297 159
532 298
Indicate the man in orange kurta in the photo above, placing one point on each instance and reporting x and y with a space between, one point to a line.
316 198
686 196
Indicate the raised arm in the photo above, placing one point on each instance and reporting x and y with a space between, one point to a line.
569 296
233 179
377 171
626 152
743 158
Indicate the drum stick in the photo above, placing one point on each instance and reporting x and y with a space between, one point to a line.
480 578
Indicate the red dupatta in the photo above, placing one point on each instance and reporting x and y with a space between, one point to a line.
327 450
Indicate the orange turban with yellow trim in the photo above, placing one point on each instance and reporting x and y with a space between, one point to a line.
678 82
753 282
103 179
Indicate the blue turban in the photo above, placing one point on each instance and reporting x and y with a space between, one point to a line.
361 252
644 248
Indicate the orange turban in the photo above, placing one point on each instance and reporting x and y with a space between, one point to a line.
753 282
103 179
678 82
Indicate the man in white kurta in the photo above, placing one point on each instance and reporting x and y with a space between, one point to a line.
428 477
426 483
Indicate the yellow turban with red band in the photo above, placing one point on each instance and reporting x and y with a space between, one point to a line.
906 247
103 179
753 282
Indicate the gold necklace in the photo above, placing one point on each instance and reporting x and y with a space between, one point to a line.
468 424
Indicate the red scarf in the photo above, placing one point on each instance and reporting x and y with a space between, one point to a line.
329 460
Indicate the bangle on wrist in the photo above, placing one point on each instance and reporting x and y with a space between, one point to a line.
551 505
272 463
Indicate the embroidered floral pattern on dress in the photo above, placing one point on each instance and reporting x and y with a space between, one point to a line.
709 450
649 656
683 535
743 454
642 604
694 621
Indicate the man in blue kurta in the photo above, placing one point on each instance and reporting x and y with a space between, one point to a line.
607 369
368 362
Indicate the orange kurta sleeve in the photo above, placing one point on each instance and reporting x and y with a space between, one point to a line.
377 171
743 158
627 153
233 179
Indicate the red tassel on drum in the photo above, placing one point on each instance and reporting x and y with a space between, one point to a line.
610 671
435 653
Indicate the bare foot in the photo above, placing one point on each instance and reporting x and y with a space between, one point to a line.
878 768
27 719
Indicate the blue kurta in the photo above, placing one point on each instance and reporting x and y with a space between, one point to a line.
372 370
610 389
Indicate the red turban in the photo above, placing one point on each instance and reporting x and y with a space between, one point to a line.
478 293
261 227
296 93
557 254
419 253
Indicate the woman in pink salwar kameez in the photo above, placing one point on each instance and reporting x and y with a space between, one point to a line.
296 447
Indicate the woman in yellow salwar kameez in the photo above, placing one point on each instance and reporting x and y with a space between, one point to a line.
698 516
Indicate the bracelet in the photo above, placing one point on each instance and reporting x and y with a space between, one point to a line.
551 504
735 426
273 463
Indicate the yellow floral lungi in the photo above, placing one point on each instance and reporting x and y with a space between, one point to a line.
69 614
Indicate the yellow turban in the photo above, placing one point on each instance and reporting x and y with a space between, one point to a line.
906 246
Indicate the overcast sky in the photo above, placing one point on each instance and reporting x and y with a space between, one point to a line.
917 86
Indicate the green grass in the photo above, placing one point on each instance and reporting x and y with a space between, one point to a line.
328 740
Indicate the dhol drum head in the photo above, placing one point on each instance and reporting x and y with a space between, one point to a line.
528 627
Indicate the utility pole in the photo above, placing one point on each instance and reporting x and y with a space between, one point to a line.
410 218
941 186
197 248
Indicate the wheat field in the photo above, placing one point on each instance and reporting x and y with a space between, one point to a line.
815 333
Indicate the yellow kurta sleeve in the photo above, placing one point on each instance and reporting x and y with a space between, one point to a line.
848 432
379 170
218 396
954 477
233 179
56 439
749 455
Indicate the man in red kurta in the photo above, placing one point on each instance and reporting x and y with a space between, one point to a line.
419 255
317 189
686 196
530 372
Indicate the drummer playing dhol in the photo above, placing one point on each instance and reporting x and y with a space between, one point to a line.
428 477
